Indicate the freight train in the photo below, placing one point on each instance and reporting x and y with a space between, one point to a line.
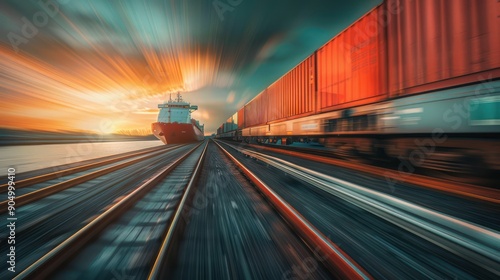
415 81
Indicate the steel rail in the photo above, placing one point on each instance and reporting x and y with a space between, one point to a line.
44 192
474 243
456 188
51 261
167 252
57 174
337 261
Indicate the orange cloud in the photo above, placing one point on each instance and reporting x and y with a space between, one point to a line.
62 88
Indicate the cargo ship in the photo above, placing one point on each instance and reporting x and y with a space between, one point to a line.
174 125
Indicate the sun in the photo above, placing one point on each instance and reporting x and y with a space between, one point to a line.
107 126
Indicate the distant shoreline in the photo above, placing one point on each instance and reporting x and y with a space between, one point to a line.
6 143
11 137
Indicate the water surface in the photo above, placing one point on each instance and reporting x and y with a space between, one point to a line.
32 157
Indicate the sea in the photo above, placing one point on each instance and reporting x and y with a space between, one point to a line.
26 158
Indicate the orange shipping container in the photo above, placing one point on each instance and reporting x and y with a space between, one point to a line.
256 110
241 118
435 44
352 66
293 95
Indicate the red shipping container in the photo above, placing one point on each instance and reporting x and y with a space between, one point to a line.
256 110
241 118
352 67
293 95
435 44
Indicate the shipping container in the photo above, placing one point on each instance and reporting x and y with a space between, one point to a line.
235 121
230 124
399 48
352 67
229 127
293 95
256 110
241 118
435 44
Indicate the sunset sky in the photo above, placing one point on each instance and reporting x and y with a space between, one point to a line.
103 66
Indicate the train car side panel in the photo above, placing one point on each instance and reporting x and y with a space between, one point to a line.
352 67
241 118
440 44
293 94
256 110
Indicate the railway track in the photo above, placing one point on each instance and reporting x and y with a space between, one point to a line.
458 200
390 173
366 223
63 171
44 223
187 212
234 232
38 187
148 223
158 197
36 176
337 261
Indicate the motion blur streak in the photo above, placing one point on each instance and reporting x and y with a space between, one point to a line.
71 64
480 245
63 95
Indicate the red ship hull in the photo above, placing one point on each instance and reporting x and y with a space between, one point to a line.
177 133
